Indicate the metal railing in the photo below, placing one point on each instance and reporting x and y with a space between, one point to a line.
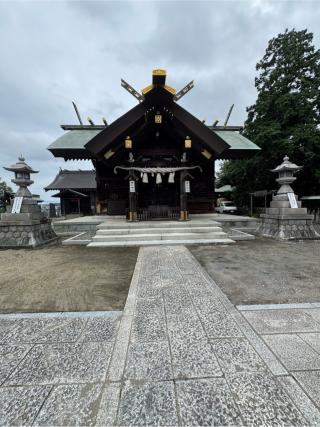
157 212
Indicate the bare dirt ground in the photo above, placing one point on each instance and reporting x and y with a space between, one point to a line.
264 271
59 278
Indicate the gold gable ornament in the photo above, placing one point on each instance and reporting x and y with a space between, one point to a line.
128 143
158 118
187 142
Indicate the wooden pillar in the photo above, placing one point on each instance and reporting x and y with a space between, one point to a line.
133 216
184 214
92 203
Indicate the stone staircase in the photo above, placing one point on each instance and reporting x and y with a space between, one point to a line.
159 233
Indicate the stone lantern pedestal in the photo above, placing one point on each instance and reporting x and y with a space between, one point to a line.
24 225
285 219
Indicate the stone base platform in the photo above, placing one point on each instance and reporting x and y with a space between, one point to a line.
26 236
287 227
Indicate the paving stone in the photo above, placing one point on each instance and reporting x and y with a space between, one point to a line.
118 359
72 404
101 329
281 321
147 328
193 358
176 299
46 330
148 361
313 339
185 324
205 300
301 400
149 307
186 266
53 363
169 272
149 320
150 287
237 355
219 324
20 405
6 326
151 404
315 313
262 401
310 382
293 352
260 346
255 307
207 402
107 414
197 284
10 356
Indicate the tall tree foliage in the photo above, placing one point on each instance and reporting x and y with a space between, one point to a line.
285 118
5 192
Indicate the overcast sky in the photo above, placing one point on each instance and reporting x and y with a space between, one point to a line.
53 52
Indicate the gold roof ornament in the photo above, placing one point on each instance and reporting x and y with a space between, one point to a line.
147 89
170 89
159 72
159 79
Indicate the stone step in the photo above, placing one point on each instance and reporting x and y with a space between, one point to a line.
160 230
225 241
158 236
108 225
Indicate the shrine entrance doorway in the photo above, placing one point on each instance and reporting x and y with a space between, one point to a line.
159 200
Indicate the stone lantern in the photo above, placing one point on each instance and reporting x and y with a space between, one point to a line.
22 179
286 177
285 219
24 225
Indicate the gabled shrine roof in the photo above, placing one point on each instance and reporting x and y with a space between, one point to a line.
239 144
83 142
78 179
71 145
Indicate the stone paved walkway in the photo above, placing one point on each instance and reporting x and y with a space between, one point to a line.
181 354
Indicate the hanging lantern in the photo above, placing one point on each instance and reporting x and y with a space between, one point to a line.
158 118
128 143
187 142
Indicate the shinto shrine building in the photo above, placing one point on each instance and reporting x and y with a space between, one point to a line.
155 161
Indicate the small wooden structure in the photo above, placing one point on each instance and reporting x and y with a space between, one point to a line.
77 191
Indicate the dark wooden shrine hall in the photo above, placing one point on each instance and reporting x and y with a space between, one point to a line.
157 160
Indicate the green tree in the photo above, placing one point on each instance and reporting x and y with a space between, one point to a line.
4 187
284 120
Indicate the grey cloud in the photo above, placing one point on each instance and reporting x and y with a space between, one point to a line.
55 52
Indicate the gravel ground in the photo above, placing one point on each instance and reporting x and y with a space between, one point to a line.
264 271
59 278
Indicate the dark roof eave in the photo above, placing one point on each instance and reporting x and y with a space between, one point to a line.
237 154
71 154
56 188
